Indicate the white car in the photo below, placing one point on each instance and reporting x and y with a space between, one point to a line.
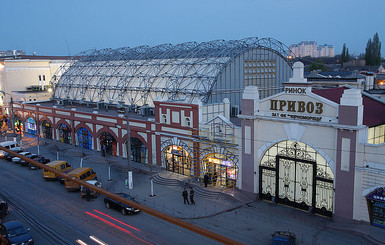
92 193
17 159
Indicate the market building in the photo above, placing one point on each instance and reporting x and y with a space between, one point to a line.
319 150
180 101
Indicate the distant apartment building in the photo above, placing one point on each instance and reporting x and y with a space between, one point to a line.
310 48
12 52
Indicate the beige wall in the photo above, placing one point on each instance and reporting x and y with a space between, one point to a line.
19 74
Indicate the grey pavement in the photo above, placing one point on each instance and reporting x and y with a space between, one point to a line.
168 186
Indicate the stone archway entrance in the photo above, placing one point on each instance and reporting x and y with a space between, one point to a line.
294 174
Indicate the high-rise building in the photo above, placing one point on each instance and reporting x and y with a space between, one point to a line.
310 48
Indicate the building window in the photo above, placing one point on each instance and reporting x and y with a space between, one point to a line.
376 135
164 119
39 77
43 77
188 122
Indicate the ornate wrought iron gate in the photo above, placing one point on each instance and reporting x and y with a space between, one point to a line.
293 178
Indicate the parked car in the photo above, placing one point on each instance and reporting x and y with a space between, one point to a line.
40 159
87 193
14 232
3 209
8 156
122 207
24 163
283 238
17 159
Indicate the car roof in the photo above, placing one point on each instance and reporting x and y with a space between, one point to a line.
12 224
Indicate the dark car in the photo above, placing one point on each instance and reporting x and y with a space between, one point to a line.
123 208
39 159
8 156
15 233
31 156
282 238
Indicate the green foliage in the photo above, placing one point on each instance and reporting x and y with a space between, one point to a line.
373 51
317 65
345 54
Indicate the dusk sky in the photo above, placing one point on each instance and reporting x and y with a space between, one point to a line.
47 26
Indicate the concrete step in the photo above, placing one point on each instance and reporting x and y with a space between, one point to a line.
165 181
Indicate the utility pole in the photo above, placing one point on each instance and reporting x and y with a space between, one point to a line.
129 183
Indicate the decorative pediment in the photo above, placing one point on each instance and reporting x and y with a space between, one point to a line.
299 103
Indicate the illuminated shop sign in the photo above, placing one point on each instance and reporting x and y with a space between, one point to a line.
376 206
227 163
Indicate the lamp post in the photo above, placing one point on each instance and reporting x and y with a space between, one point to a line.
129 171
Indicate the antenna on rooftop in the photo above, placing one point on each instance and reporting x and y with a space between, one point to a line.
69 52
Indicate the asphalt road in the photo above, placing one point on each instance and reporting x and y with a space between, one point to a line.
56 216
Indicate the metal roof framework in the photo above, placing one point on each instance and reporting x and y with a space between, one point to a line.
140 75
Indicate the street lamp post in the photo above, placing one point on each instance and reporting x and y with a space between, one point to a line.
129 171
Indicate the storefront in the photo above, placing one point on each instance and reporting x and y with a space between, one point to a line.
64 134
84 138
138 151
46 130
31 126
178 160
376 207
19 127
108 144
221 171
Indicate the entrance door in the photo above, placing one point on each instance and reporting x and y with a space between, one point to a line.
296 182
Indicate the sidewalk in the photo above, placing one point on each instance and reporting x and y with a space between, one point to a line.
168 186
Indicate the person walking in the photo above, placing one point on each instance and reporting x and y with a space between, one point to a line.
104 150
185 194
192 196
206 179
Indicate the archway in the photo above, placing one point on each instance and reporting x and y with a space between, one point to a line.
46 129
221 170
31 126
84 138
64 133
108 144
295 174
177 159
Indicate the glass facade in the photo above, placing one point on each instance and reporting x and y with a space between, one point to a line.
221 171
178 160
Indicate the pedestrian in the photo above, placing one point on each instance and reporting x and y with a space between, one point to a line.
185 194
104 151
192 196
206 179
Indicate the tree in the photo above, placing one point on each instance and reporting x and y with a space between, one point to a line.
373 51
345 57
317 65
